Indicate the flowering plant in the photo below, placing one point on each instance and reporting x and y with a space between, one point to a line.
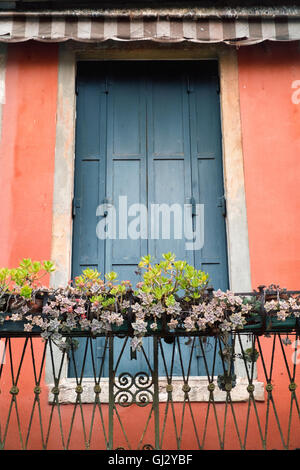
172 295
278 302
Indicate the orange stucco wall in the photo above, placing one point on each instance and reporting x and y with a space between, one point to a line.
270 115
271 145
27 153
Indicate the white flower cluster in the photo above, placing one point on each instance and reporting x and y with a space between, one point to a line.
224 310
67 310
283 308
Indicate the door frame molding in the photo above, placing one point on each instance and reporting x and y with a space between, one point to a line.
233 167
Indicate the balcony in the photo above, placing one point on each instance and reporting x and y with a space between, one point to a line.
244 398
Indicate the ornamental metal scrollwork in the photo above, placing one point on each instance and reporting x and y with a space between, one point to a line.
133 389
142 380
125 381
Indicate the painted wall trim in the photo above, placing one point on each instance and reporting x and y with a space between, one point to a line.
64 168
234 180
63 184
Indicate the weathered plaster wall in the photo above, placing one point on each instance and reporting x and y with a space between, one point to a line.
64 169
27 152
270 116
271 147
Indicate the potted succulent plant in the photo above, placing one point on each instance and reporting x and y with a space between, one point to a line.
22 294
172 297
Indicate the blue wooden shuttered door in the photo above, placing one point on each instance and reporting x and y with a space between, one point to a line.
148 133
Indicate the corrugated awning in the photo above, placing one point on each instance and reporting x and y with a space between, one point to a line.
59 27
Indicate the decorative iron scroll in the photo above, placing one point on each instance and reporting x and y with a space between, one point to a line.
133 389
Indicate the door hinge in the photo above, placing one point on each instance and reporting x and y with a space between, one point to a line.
106 86
75 206
194 208
76 86
189 86
223 205
218 85
191 201
133 354
100 350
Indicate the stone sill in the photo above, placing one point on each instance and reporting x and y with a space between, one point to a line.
197 393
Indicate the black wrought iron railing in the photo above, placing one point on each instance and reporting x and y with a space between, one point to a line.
240 394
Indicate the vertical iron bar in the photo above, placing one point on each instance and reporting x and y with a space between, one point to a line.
156 391
111 394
